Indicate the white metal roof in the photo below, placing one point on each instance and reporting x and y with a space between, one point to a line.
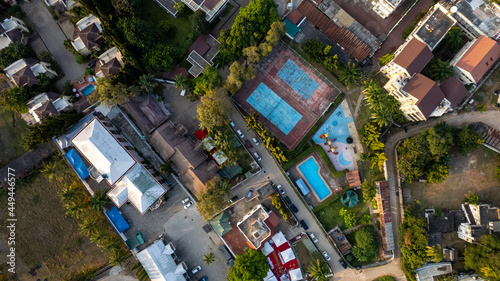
287 255
296 274
279 239
267 249
159 266
103 151
139 187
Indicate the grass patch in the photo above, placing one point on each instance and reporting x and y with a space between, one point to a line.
157 17
328 211
304 256
12 128
45 235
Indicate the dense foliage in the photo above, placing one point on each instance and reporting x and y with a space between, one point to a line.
320 53
238 74
108 93
212 200
214 110
249 28
15 99
269 141
370 136
199 23
412 242
52 126
384 106
318 270
161 57
484 258
14 52
250 266
210 80
365 246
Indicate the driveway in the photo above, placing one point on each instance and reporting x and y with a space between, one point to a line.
456 120
53 38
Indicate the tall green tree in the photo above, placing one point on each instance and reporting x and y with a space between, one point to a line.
212 200
365 246
137 32
484 258
213 111
99 199
15 99
238 74
467 140
14 52
386 59
413 241
108 93
147 82
250 266
441 70
161 57
199 23
127 7
318 270
369 190
207 82
435 253
349 74
209 258
455 37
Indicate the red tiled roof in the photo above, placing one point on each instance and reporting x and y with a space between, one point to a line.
200 46
454 90
352 44
480 57
272 221
427 92
353 178
295 16
414 56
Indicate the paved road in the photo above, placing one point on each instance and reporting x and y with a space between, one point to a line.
53 38
456 120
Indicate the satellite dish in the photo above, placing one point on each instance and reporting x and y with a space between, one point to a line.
454 9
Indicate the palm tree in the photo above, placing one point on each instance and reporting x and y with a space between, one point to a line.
76 209
98 200
53 170
147 82
90 224
382 117
441 70
209 258
181 81
318 270
455 37
117 257
349 74
224 186
70 193
369 190
167 168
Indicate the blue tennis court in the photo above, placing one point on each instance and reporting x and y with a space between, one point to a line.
296 78
76 161
276 110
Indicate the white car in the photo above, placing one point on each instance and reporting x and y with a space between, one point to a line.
231 123
281 189
327 257
313 238
255 141
185 201
257 156
188 205
240 134
196 269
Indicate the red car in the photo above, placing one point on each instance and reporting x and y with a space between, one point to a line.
248 144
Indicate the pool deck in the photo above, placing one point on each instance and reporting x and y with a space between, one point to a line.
79 85
333 184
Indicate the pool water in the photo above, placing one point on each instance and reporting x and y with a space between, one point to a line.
310 170
87 90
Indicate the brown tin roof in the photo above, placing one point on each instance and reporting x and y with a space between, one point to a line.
480 57
427 92
295 16
414 56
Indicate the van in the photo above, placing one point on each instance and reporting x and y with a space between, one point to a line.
257 156
250 192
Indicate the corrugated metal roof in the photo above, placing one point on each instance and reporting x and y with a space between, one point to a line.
345 38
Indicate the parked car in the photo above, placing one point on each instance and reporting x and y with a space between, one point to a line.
342 263
304 225
188 205
281 190
196 269
250 192
205 278
313 237
92 64
185 201
231 123
240 134
288 201
248 144
255 141
257 156
327 257
233 199
294 209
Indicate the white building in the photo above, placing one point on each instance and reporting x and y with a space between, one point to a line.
45 104
12 31
24 72
86 37
161 264
60 5
385 8
109 63
431 271
482 219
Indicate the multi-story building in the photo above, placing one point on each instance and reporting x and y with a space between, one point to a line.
161 262
12 30
481 219
385 8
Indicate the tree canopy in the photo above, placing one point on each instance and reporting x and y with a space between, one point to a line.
207 82
137 32
250 266
52 126
161 57
238 73
318 270
365 246
484 258
214 110
467 140
369 190
126 7
249 28
14 52
199 23
212 200
15 99
413 241
109 92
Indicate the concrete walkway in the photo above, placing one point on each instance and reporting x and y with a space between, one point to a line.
53 38
455 120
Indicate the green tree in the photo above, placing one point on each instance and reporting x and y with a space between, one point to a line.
435 253
412 242
472 198
181 8
331 63
365 246
199 23
14 52
371 137
385 59
318 270
91 223
484 257
316 50
274 34
167 167
117 256
43 80
209 258
99 199
161 57
76 209
108 93
349 218
212 200
207 82
213 111
238 73
137 32
441 70
385 278
126 7
54 170
349 74
249 28
15 99
481 107
455 37
252 53
250 266
440 139
382 117
467 140
52 126
147 82
182 82
369 190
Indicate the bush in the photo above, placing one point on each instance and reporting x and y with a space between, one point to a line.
15 11
45 56
81 59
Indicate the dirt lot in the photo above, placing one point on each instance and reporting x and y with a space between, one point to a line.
474 172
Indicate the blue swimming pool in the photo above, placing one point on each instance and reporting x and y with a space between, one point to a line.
87 90
310 170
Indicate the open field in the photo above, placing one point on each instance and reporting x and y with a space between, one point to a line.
45 235
12 128
472 172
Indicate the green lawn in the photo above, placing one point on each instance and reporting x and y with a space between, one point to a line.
328 212
12 128
181 37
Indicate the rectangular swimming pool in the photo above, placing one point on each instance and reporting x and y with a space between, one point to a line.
310 170
87 90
